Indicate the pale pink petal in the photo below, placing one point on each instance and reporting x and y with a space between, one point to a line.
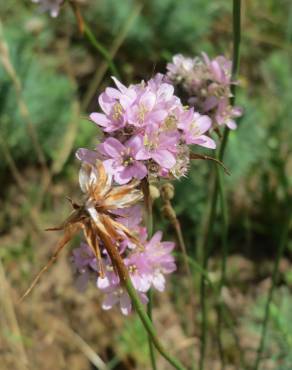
109 301
156 238
159 282
125 304
86 155
106 103
164 158
139 170
148 100
143 154
119 85
113 93
100 119
135 143
122 177
158 115
205 141
103 283
113 147
204 123
231 124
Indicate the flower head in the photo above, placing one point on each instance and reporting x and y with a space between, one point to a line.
146 131
122 162
207 85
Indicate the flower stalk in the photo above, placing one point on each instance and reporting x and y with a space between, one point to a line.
149 223
218 190
126 280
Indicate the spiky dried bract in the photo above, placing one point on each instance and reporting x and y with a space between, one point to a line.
95 215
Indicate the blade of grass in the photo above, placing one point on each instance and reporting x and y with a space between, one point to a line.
8 312
87 32
100 72
280 251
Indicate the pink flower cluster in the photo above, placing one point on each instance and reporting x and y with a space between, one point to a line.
147 131
147 266
206 84
51 6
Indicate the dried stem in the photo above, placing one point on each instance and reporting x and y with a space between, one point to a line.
167 193
8 315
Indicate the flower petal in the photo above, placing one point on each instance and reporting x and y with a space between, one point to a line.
113 147
164 158
100 119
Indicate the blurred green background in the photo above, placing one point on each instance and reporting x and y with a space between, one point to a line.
50 77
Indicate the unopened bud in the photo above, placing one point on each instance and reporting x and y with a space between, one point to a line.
167 191
154 192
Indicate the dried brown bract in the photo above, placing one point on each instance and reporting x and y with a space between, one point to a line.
95 216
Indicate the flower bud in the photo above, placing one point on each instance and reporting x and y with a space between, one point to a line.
167 191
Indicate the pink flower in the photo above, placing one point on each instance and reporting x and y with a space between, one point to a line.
160 259
83 258
147 131
119 296
123 163
226 114
194 125
180 67
85 264
206 84
146 110
86 155
161 147
114 103
220 68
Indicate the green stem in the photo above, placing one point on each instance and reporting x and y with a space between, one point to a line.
204 322
139 307
225 250
149 224
85 30
149 326
280 251
219 190
150 344
220 179
100 48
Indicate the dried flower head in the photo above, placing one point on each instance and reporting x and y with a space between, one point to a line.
96 215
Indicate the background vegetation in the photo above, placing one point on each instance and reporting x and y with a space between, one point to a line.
50 77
